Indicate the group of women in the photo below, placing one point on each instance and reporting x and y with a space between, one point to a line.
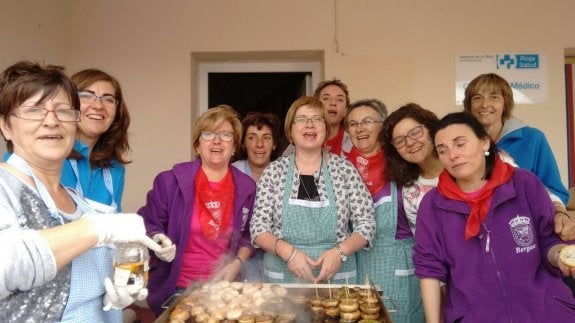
405 199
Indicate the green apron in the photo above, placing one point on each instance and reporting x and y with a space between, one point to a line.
389 263
310 226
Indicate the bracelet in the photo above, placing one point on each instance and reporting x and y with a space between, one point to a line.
556 258
276 246
292 255
242 262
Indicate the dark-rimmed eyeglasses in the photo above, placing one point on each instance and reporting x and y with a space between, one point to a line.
366 122
413 133
63 113
211 135
106 99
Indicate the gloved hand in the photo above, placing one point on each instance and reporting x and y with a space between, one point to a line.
123 227
168 251
119 297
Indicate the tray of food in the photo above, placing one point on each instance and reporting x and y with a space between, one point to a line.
277 303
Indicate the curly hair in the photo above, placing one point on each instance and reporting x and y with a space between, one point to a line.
398 169
113 143
259 120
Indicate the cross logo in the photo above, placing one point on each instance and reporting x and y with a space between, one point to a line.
506 61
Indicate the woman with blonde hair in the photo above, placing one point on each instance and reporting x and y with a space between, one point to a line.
200 211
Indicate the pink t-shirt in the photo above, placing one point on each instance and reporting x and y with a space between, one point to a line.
201 255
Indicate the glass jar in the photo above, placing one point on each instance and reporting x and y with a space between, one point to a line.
131 265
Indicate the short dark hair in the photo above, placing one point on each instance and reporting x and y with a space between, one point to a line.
25 79
258 120
467 119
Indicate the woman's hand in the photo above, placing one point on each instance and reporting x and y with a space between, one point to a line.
229 271
330 263
565 225
301 265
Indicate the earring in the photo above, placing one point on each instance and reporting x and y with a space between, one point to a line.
487 153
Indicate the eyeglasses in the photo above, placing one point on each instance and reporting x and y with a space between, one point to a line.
304 120
414 133
366 122
106 99
63 113
211 135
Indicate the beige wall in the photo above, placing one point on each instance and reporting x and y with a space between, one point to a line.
397 51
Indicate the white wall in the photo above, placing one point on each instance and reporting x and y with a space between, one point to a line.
398 51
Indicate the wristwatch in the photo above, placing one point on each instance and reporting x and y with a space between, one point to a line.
342 255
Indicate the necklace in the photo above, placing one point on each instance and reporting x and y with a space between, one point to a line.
311 194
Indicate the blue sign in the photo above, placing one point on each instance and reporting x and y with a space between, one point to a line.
519 61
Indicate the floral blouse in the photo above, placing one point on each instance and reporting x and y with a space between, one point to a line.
353 201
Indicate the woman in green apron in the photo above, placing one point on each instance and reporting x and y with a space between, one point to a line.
389 262
312 210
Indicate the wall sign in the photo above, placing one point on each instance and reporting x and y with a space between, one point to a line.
526 72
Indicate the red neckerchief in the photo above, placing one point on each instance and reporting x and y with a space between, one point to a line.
371 169
479 204
333 145
215 203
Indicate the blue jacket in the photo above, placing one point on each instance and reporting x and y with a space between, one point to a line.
92 179
168 210
507 279
531 151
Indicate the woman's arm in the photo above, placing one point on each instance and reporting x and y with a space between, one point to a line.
70 240
431 296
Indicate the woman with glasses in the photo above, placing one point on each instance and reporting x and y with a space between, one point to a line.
409 157
486 231
55 263
312 211
102 140
201 210
389 262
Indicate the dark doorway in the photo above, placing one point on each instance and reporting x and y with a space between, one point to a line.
264 92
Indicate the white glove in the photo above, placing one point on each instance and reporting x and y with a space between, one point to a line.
168 251
120 297
123 227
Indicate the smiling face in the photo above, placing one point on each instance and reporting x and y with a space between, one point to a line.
96 117
487 107
259 144
415 151
216 153
308 135
44 143
364 126
335 102
462 155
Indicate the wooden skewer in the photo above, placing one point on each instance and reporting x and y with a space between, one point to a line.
316 292
329 282
346 287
